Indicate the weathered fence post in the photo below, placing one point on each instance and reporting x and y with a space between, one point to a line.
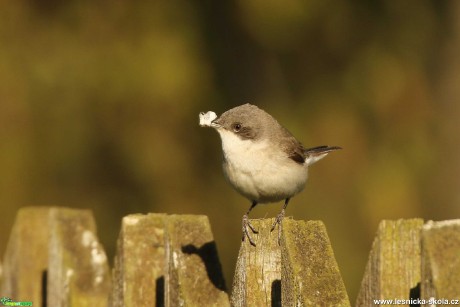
78 272
441 261
301 271
194 274
257 280
138 273
393 270
53 258
310 275
26 256
167 260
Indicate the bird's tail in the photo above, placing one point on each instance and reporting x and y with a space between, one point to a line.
317 153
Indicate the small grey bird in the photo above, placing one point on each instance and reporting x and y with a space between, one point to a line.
262 160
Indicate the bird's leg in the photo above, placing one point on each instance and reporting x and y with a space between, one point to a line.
279 218
247 224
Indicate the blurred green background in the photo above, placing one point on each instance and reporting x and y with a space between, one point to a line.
99 104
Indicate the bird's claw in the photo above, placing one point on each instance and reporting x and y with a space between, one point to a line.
279 218
245 226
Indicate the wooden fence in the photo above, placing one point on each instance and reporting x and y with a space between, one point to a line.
54 258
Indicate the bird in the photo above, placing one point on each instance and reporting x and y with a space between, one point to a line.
262 160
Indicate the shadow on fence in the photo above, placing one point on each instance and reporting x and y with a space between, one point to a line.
53 258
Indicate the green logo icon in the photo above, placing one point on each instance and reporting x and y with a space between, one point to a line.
6 301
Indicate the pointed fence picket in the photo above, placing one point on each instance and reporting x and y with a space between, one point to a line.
54 258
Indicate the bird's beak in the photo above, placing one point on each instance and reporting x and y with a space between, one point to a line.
215 123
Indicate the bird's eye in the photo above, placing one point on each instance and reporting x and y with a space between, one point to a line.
236 127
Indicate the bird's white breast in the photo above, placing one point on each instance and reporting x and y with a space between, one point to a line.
259 170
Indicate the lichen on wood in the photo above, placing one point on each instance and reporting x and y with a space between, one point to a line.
441 260
310 274
394 266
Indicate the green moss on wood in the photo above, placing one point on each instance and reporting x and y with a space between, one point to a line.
139 266
194 276
258 269
394 266
441 263
310 275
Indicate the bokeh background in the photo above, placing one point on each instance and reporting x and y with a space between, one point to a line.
99 104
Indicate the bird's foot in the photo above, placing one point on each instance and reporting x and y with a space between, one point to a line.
245 226
279 218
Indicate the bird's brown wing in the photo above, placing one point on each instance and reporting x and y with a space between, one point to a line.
293 149
297 155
